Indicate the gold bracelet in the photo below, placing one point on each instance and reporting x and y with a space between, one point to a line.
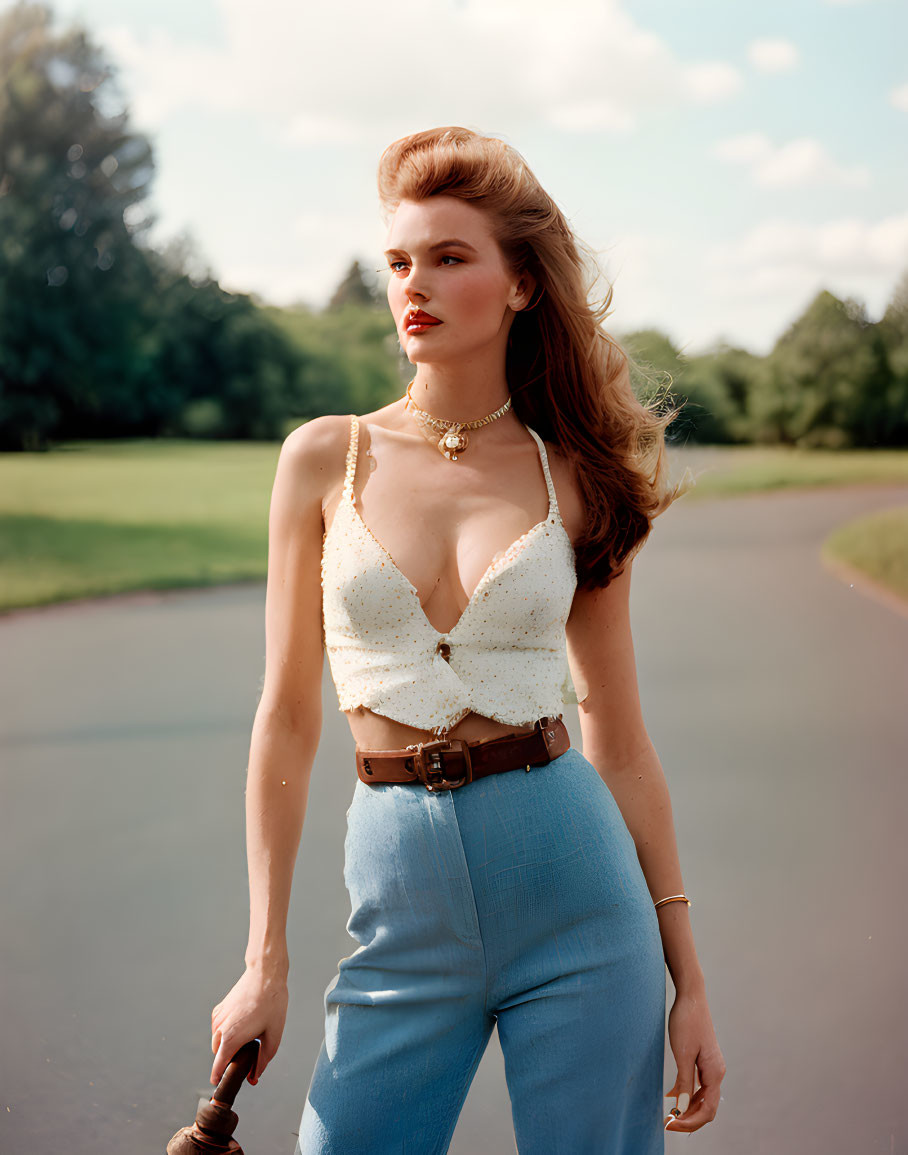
673 898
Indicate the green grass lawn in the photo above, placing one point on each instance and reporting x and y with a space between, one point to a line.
753 469
92 518
105 517
876 544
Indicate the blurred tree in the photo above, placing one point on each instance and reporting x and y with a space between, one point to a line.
72 281
717 387
895 319
652 349
656 368
893 332
824 383
355 289
99 335
351 358
222 367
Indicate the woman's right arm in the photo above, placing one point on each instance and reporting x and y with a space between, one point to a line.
285 737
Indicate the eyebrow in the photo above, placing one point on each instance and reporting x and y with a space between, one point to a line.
453 243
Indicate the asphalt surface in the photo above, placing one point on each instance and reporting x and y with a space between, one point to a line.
774 692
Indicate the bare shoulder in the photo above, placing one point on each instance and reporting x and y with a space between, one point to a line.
320 437
314 456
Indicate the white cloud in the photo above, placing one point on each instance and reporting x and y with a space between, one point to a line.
898 97
323 244
164 76
708 82
300 71
747 148
773 55
797 163
780 252
592 116
751 287
317 128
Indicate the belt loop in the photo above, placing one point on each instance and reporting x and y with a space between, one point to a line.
548 728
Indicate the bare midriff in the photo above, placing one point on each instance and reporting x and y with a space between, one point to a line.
373 731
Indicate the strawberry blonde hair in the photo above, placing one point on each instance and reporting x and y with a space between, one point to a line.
568 378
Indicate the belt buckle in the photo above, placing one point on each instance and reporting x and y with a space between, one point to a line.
429 765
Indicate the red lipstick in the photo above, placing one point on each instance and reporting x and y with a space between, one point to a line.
417 321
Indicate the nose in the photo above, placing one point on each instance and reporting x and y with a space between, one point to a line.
415 295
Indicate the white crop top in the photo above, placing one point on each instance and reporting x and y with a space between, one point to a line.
505 658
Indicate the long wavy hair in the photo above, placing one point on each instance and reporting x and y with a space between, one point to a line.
568 378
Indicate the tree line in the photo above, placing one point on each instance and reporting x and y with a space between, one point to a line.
833 380
102 335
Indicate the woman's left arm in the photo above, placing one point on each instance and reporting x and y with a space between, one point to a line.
615 741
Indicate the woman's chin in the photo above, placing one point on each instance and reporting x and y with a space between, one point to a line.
423 356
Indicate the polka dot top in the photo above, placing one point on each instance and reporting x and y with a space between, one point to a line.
505 658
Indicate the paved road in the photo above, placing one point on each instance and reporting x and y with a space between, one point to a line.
774 694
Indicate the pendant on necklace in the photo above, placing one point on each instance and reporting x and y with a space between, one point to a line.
453 438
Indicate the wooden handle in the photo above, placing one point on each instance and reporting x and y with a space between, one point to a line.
237 1070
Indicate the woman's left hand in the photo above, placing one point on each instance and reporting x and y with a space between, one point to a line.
696 1049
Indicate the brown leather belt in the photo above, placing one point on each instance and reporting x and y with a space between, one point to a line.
446 763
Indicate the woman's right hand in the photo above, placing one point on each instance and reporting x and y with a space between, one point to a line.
255 1008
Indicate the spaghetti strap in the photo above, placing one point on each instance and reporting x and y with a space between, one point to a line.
554 511
351 457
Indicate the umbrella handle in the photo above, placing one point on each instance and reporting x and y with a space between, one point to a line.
215 1119
237 1070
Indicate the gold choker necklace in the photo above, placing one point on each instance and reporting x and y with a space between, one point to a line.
453 436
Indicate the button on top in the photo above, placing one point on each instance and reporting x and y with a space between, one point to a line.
444 649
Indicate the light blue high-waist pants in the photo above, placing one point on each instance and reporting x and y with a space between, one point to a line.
518 898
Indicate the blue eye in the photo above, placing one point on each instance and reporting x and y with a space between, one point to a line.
447 257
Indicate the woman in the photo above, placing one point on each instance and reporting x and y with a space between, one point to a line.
452 552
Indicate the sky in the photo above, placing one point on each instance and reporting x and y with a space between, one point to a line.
726 162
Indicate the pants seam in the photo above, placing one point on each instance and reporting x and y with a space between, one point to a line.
469 880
